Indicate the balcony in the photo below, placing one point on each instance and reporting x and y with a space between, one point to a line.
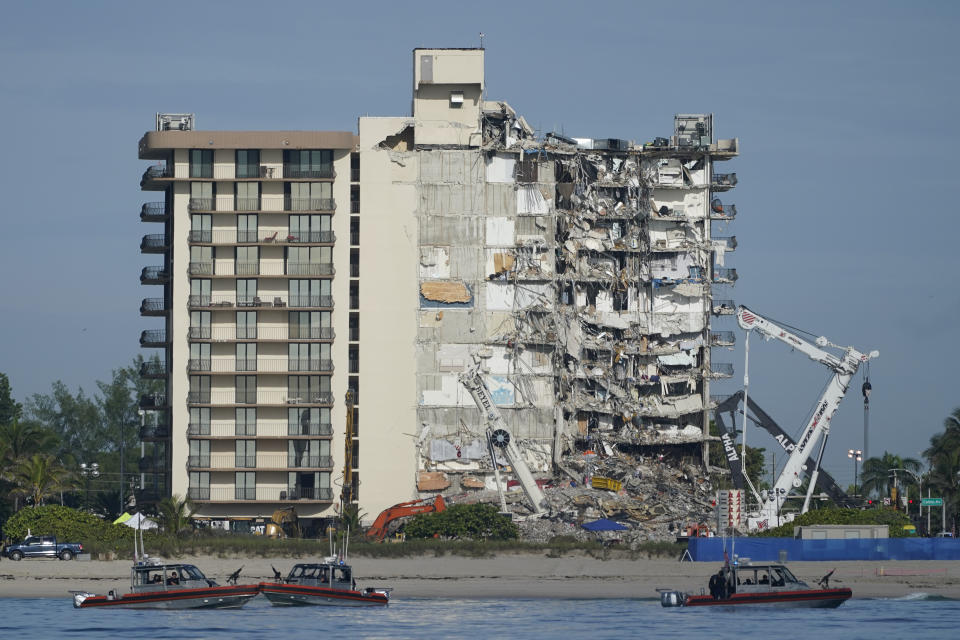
153 307
198 493
245 462
247 204
721 369
198 364
725 276
154 212
198 333
300 332
153 369
308 204
156 172
153 338
198 462
201 301
198 429
153 401
723 181
311 236
198 397
310 269
154 275
722 339
247 268
204 268
154 243
309 462
201 204
248 236
309 429
308 364
298 172
729 243
316 397
154 432
724 307
722 211
311 301
203 235
259 494
246 364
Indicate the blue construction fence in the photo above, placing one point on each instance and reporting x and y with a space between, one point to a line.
770 549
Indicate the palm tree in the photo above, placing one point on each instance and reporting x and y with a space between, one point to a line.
943 455
38 477
876 477
175 513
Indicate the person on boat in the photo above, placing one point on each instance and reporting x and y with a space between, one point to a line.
174 578
716 584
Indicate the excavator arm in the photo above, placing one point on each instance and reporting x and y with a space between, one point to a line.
378 531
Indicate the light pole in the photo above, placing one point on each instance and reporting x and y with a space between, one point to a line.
857 456
915 477
88 472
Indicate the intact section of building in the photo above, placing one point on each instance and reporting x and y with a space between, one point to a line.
579 276
253 313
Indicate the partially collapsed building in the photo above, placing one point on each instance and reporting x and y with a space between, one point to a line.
579 275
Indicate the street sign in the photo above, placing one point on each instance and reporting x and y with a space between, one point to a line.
931 502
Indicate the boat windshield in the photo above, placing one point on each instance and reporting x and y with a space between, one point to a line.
190 572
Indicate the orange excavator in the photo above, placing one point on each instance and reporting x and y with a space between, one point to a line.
379 530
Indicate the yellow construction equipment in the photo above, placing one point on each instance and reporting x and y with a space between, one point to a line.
284 524
599 482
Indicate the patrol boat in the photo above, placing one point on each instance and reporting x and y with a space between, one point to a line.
326 583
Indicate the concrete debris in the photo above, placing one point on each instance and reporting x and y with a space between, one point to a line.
445 291
432 481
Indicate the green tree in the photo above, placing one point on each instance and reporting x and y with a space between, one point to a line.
943 455
474 521
39 477
876 478
175 513
76 419
10 409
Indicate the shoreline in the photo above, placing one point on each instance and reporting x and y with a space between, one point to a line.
502 576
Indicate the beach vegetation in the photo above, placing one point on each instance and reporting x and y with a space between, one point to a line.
896 520
463 521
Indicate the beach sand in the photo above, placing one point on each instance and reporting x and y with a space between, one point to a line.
504 576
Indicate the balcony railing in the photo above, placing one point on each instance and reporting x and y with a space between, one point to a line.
154 242
725 275
309 364
247 204
153 369
724 180
721 369
722 338
309 429
248 236
198 493
154 431
308 204
307 493
203 235
310 268
724 307
153 401
311 236
311 301
299 462
300 332
298 172
198 429
200 268
246 364
317 397
260 494
198 462
154 275
153 337
153 211
198 364
198 333
245 493
153 306
157 171
245 462
198 397
201 204
199 301
246 268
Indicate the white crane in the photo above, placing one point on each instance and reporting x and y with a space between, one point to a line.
498 435
844 367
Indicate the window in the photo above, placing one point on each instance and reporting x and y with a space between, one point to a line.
246 389
309 389
246 455
246 356
354 322
199 292
246 485
310 293
199 390
356 453
248 163
199 485
200 227
308 453
247 227
202 196
199 421
200 325
199 356
247 293
246 325
199 453
308 163
201 261
246 421
312 421
247 261
310 325
310 228
247 196
201 163
308 196
353 358
309 261
309 356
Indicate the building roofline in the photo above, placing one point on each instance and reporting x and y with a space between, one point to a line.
155 144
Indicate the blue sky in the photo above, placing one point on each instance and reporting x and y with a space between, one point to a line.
845 114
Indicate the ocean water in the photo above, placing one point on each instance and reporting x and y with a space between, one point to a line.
915 616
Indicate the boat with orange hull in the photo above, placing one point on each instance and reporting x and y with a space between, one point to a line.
327 583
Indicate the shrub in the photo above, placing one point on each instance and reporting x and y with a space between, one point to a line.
463 521
71 525
895 519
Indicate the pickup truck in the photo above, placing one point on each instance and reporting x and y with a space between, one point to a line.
42 547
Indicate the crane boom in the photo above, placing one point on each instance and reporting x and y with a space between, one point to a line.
498 434
844 368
